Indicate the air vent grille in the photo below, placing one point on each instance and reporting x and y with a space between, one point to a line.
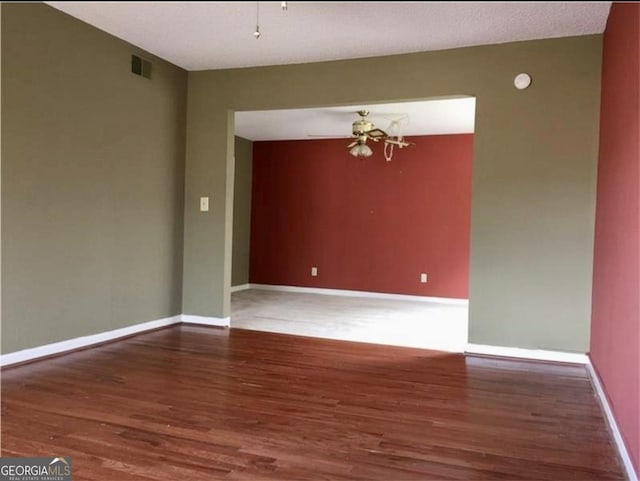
140 66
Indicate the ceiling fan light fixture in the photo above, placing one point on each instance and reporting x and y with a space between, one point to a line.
361 150
363 130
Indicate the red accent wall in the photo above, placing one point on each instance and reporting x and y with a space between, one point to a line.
615 322
366 224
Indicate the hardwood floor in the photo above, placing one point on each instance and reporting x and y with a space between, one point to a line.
199 403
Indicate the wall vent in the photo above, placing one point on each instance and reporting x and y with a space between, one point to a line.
140 66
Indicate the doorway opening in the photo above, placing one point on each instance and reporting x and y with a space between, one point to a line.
372 248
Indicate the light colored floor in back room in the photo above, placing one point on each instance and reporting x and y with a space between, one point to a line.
409 323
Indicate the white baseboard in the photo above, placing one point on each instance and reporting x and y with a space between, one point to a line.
611 420
206 321
87 341
347 293
241 287
536 354
84 341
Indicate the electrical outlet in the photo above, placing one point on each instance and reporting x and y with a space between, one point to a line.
314 272
423 278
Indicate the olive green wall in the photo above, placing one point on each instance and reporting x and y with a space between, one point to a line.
533 183
92 181
241 211
93 177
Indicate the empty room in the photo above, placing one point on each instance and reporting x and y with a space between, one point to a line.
320 240
359 237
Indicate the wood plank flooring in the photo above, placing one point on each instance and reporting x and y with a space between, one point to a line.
199 403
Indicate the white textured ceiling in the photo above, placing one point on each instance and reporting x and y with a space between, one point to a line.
216 35
432 117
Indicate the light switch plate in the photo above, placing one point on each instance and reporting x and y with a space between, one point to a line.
204 204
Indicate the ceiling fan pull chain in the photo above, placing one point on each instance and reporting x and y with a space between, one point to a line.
256 34
388 155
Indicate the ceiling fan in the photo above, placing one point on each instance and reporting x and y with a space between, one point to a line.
363 130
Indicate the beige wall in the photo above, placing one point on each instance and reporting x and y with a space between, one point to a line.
533 182
92 181
241 211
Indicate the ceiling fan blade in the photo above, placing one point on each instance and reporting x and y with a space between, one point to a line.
329 136
352 144
399 143
376 133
